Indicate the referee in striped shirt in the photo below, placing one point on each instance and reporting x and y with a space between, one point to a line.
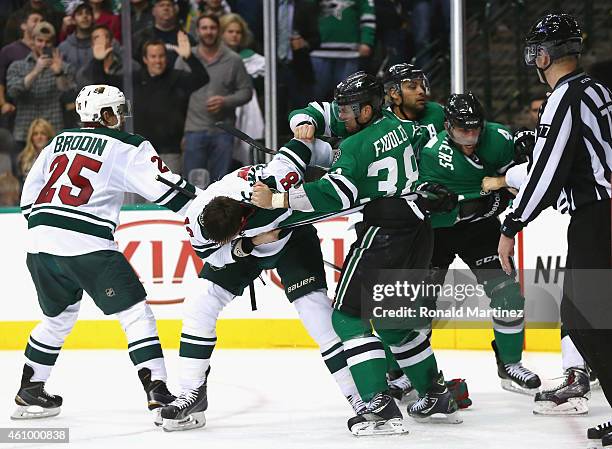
572 155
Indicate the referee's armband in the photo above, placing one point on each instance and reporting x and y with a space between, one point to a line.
511 227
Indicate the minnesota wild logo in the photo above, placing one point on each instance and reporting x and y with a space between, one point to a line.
335 7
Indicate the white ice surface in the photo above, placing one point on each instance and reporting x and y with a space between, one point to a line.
285 399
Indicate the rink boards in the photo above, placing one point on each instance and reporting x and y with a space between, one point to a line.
155 242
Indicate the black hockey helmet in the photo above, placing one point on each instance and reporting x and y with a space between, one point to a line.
558 34
464 111
360 89
397 73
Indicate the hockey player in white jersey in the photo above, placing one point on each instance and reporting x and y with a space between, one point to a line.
238 241
71 199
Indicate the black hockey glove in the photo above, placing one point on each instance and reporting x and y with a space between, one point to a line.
524 143
490 205
439 198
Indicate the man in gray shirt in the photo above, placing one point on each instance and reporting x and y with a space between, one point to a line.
229 87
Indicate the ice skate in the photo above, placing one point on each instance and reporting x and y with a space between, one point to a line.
186 411
569 398
157 393
33 401
381 417
606 440
599 431
437 405
515 377
400 387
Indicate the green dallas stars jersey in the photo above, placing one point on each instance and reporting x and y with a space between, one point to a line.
324 116
343 25
375 162
442 162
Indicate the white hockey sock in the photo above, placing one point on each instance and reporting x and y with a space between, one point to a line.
198 335
46 341
144 347
315 311
570 355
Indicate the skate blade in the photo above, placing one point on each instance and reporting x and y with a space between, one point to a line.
573 406
157 418
193 421
394 426
508 385
34 412
439 418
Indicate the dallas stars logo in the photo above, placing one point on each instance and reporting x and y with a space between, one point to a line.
335 7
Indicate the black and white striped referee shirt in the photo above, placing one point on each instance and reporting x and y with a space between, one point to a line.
573 151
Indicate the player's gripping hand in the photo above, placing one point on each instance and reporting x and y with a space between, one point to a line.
490 183
304 131
441 199
262 195
524 143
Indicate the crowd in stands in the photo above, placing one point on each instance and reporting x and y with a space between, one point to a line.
194 63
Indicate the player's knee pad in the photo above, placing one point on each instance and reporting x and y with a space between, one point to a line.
201 310
138 321
315 311
348 327
54 330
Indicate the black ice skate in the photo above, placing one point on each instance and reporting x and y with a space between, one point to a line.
515 377
569 398
600 431
381 417
437 405
186 411
157 393
606 440
33 401
400 387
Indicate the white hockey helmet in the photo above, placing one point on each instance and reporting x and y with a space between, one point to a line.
92 99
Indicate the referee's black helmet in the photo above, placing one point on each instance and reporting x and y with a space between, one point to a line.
558 34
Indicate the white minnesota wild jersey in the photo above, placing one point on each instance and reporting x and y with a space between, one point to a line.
286 170
74 192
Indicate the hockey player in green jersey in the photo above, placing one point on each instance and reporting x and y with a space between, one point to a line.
407 90
376 166
459 158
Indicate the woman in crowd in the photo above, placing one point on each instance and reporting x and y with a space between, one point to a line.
39 134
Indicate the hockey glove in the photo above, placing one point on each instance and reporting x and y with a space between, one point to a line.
439 198
524 143
459 390
490 205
